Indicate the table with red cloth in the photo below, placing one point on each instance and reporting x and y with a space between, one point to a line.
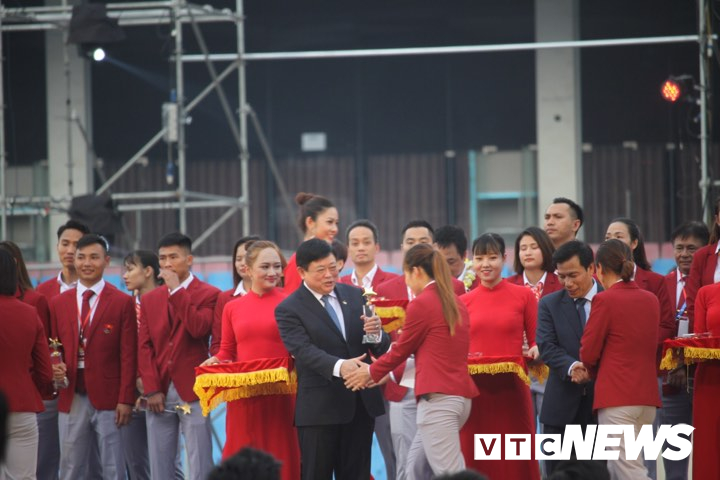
704 351
262 392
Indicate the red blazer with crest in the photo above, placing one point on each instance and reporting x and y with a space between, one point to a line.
552 284
618 345
111 352
174 335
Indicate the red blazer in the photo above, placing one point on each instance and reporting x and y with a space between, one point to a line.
396 288
671 286
552 284
440 359
24 356
111 352
223 299
291 277
655 283
174 335
618 346
380 277
702 272
49 288
37 300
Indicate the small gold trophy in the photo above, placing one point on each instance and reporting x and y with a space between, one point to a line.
56 358
368 312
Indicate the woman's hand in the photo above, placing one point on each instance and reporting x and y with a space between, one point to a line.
359 378
210 361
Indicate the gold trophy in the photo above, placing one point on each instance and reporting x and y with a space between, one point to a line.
56 358
369 311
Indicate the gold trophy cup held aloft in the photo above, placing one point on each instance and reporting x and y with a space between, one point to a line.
56 358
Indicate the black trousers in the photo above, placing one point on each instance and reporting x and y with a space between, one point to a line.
343 449
583 417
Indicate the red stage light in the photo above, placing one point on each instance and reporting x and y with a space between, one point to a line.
671 90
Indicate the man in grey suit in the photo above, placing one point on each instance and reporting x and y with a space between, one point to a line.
562 316
322 326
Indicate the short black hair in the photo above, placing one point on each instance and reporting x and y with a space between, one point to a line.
8 274
247 463
452 235
363 223
92 238
417 224
568 250
691 229
488 243
176 239
340 250
73 225
310 251
574 208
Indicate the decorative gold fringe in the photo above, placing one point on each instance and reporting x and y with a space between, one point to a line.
236 386
501 367
540 372
394 325
669 361
390 312
695 353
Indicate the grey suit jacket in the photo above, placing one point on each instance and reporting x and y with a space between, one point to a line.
317 344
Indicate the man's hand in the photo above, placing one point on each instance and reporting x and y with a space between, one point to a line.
59 372
372 325
533 352
350 365
156 402
172 281
360 378
579 373
210 361
123 414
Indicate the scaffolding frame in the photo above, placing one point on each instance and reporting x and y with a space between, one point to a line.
179 13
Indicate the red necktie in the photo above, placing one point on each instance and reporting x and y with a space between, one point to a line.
682 299
84 321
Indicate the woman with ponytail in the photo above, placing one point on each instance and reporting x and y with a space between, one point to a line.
318 219
436 330
500 313
618 350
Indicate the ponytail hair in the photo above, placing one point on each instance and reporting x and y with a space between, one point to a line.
615 256
432 262
312 206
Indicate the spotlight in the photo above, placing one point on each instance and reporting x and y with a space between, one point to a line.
98 54
671 90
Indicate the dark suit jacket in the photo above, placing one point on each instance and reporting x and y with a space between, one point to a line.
312 338
702 272
174 335
111 353
559 331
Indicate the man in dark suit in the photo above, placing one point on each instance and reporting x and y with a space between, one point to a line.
363 245
175 325
96 325
561 320
321 326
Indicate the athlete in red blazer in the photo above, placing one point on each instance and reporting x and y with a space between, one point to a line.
702 272
381 276
396 288
655 283
24 356
172 346
111 352
40 303
615 346
552 284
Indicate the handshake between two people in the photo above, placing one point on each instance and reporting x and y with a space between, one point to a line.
579 373
356 374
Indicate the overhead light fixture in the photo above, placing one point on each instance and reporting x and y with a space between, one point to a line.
91 29
98 54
